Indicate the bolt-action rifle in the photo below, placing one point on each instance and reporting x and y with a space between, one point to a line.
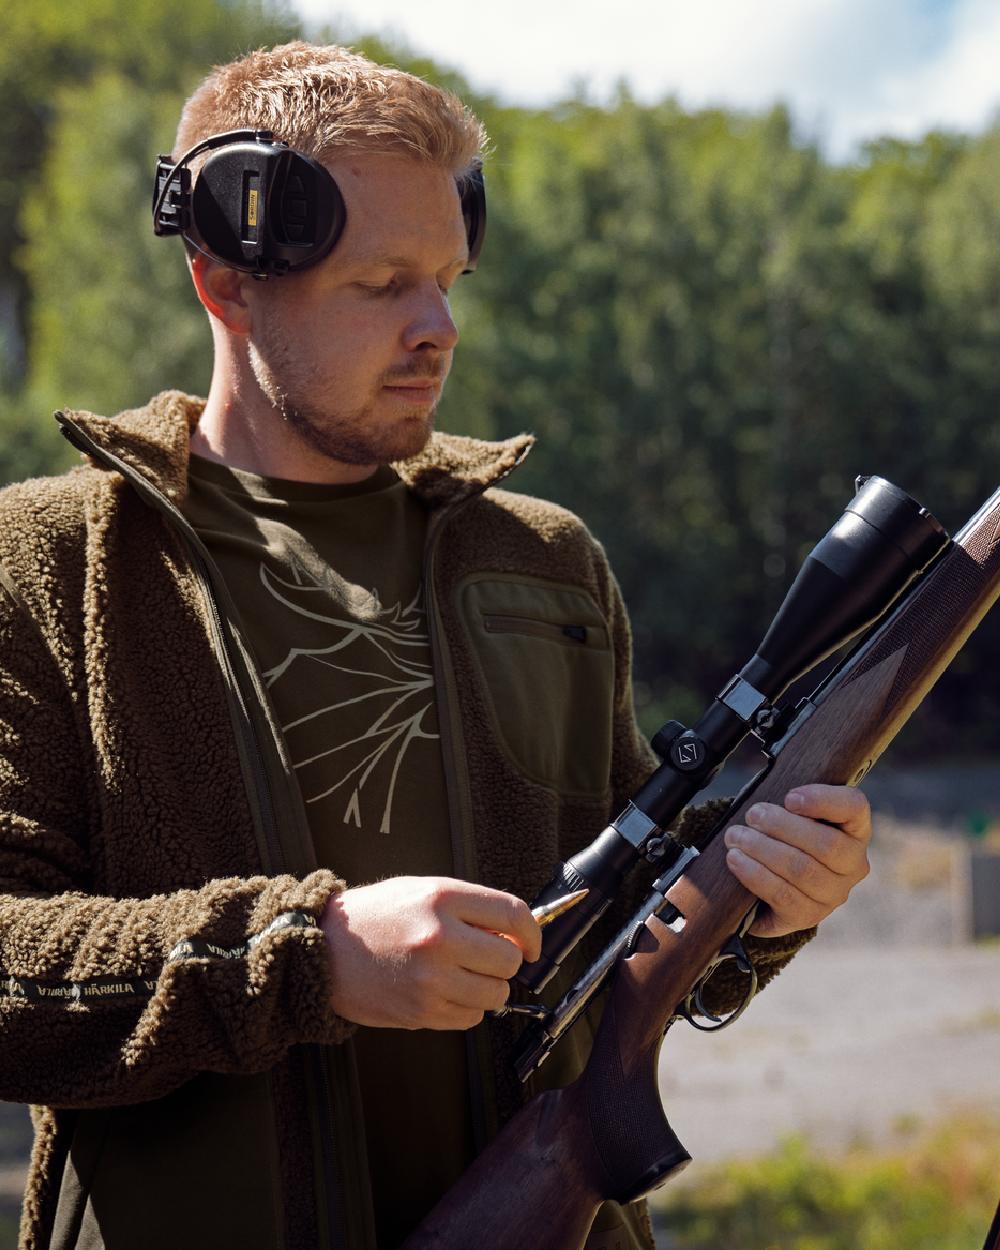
886 570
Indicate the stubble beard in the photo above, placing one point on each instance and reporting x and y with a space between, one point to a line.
349 437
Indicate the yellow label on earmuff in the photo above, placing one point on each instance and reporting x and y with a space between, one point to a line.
252 208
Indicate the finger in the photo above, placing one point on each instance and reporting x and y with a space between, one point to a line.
474 991
501 913
840 805
792 909
795 867
448 1015
768 925
829 844
436 993
484 952
462 1017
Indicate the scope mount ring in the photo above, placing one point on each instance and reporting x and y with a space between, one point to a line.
733 950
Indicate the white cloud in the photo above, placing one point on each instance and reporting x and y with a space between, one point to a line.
961 87
849 68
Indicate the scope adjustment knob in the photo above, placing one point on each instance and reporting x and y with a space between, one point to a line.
687 752
665 736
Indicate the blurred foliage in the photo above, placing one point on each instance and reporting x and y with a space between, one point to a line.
711 329
939 1194
48 48
109 325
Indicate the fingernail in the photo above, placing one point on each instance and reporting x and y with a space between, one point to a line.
795 800
734 836
755 814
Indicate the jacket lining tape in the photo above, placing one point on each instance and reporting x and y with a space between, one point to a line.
142 987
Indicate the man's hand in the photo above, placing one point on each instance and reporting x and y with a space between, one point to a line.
801 860
425 952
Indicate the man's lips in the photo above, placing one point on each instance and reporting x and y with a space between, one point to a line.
416 389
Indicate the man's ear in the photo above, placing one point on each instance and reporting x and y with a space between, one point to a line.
220 290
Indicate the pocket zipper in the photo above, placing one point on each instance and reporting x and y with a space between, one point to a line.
554 632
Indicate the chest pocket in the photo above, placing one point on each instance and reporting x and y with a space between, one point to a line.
543 654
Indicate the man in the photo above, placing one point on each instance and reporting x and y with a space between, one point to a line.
298 709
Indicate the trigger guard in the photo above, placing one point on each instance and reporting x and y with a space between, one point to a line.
735 950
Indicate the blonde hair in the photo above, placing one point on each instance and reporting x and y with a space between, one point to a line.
321 99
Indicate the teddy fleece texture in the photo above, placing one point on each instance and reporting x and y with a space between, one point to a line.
157 928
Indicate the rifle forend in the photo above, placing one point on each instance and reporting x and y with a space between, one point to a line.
605 1136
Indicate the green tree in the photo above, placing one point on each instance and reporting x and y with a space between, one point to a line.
160 46
113 317
710 328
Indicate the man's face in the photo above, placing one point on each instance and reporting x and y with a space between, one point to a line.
353 353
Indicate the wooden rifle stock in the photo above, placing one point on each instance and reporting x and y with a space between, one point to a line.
540 1183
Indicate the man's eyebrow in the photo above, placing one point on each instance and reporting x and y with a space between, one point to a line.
378 260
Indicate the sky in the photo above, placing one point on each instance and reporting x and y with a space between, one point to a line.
850 69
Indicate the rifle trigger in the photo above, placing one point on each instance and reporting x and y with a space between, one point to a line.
537 1011
734 950
632 939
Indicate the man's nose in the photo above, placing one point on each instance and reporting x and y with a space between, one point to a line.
431 325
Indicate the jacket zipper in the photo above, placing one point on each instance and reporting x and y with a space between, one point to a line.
456 780
456 787
248 743
459 798
224 644
575 635
484 1125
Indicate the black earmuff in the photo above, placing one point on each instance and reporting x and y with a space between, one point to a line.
257 205
472 190
261 207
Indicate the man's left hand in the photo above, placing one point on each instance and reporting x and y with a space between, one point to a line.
801 860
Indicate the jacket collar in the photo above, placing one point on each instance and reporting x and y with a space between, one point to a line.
154 441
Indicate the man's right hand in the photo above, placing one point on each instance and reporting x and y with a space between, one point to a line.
425 952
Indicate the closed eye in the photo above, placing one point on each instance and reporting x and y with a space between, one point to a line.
394 286
376 289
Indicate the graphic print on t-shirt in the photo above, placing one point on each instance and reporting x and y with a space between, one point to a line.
373 676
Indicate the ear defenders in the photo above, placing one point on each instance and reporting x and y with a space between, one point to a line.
261 207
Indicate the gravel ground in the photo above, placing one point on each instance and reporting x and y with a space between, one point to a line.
845 1046
889 1020
888 1016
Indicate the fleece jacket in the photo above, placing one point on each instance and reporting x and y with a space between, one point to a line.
164 985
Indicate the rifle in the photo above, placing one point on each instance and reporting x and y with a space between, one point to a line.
605 1136
992 1241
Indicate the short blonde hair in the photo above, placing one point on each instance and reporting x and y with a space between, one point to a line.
321 99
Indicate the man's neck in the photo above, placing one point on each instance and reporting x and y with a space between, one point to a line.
246 436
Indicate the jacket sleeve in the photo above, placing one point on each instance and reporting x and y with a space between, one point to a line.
632 762
107 1001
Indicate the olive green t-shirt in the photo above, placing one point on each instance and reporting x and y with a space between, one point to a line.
327 585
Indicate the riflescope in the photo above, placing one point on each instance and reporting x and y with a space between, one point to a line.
876 548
